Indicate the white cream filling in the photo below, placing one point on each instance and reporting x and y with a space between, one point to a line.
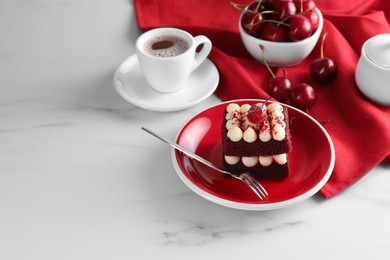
278 122
274 107
249 161
265 136
277 115
232 122
232 160
278 132
232 107
229 116
280 159
250 135
278 125
265 160
235 134
245 108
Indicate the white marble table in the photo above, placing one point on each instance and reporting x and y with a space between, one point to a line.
80 180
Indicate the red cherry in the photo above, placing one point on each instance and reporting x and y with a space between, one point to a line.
303 5
279 88
270 4
323 70
274 32
303 96
314 19
300 28
256 115
284 9
252 22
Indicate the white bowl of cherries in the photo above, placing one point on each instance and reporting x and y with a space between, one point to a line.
287 30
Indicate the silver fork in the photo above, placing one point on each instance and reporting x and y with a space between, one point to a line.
245 177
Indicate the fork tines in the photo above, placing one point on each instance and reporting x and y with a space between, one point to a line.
256 186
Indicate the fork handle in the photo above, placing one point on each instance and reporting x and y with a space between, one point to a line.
185 151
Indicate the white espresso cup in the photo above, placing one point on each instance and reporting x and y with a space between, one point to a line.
372 73
167 56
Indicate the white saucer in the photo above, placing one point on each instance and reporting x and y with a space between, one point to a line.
131 85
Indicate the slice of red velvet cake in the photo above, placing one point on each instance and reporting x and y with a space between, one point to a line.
256 139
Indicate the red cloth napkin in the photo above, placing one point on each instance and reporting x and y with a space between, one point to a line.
359 128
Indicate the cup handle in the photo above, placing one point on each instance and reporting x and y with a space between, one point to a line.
204 52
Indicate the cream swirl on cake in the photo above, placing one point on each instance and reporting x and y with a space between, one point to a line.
260 121
250 161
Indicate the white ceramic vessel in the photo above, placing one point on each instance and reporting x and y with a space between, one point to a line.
168 74
372 73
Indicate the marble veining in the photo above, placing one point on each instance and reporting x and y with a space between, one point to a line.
79 179
198 235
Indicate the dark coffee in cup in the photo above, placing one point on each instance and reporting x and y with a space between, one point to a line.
167 56
166 46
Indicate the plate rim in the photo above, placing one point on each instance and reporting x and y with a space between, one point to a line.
256 206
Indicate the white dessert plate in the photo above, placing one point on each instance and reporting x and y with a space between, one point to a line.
132 86
311 162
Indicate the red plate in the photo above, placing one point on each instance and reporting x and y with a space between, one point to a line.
311 161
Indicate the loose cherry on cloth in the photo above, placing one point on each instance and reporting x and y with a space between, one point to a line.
358 127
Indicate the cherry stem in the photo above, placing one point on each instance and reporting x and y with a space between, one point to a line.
278 23
322 44
327 121
258 6
301 6
241 7
252 23
268 12
265 60
268 21
236 6
304 12
268 99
